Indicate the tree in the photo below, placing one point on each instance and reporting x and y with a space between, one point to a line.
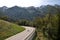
4 18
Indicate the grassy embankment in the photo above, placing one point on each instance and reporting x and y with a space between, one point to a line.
9 29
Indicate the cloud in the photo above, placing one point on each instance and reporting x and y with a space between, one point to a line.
19 2
26 3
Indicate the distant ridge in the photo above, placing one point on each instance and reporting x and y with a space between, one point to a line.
29 13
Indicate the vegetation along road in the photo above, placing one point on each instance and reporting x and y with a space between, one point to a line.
25 35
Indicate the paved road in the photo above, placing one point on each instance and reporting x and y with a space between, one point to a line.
23 35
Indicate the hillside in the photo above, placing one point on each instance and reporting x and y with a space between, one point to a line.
45 19
8 29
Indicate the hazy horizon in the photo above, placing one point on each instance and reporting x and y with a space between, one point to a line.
27 3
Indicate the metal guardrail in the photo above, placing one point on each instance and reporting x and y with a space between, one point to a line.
31 35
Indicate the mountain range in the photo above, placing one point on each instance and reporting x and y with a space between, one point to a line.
17 13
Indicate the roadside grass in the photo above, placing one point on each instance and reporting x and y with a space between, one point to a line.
9 29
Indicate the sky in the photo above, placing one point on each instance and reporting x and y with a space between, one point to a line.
27 3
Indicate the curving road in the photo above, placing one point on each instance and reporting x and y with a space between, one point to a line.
27 34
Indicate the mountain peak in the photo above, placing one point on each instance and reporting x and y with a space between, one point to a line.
4 7
15 7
